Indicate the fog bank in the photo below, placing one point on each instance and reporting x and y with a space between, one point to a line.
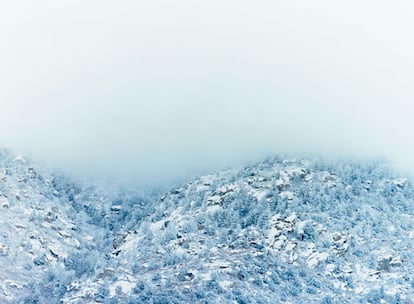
154 91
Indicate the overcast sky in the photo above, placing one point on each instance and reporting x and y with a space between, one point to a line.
156 90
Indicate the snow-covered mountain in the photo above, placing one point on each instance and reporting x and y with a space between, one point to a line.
278 231
52 230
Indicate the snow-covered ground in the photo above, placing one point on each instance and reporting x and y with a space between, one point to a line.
278 231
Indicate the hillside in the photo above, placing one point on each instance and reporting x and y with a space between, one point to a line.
281 230
53 230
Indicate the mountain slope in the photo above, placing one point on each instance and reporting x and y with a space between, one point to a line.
278 231
294 231
40 229
53 230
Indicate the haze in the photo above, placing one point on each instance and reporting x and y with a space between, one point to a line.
155 91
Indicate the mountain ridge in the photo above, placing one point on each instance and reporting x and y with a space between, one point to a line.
281 230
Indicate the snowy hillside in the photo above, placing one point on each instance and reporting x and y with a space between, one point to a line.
48 237
291 231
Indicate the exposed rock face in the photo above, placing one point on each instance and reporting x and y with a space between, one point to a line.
279 231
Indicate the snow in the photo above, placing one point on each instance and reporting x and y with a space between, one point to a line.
260 231
317 258
226 284
291 218
157 226
260 195
213 208
125 286
289 195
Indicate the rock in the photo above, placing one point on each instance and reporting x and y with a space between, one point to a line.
119 240
347 268
387 261
107 273
330 180
281 184
316 258
291 218
215 200
340 243
400 182
279 243
396 262
54 254
4 202
226 189
224 265
186 276
32 173
40 261
50 217
20 226
116 208
64 233
22 180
